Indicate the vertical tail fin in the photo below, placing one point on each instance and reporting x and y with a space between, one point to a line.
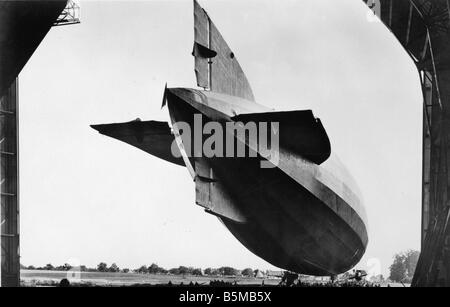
216 66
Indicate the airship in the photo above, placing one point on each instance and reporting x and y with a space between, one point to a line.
294 205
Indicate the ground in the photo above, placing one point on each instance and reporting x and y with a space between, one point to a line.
32 278
44 278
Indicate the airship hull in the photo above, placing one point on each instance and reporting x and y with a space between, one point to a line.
292 229
299 216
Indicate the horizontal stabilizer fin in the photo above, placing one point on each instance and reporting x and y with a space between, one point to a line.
299 132
152 137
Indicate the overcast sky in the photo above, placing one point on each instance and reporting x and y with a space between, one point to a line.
92 198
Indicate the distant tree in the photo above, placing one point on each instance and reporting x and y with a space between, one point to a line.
102 267
184 270
163 271
155 269
174 271
228 271
49 267
404 266
143 269
398 269
114 268
411 259
208 271
247 272
30 267
126 270
67 267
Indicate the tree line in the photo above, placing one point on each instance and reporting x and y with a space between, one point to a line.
401 270
151 269
404 265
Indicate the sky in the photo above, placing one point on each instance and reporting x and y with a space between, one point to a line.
90 198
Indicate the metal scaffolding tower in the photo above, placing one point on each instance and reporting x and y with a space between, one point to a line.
9 179
423 28
69 16
23 25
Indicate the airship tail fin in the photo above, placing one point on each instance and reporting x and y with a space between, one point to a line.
299 132
153 137
213 196
216 66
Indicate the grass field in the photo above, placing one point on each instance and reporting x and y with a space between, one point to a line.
52 278
34 278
